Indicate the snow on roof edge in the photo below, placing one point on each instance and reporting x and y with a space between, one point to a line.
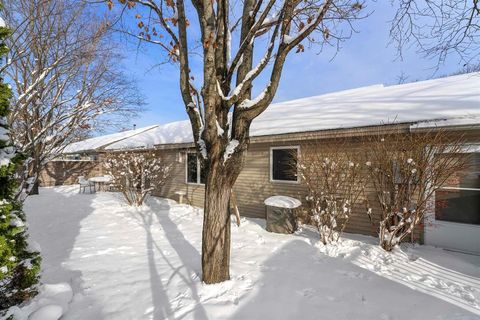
446 101
469 120
96 142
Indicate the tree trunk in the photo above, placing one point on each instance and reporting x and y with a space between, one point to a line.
35 172
34 189
216 228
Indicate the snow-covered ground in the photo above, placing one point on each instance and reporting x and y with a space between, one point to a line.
126 263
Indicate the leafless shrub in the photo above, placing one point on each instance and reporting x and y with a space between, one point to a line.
405 171
333 175
136 174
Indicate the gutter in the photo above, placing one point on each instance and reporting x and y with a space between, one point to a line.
452 124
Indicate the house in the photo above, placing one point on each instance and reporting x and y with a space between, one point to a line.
71 164
451 103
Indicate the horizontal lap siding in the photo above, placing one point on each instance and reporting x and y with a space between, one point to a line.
177 180
253 186
58 173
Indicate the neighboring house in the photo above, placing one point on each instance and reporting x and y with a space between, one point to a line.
81 158
451 103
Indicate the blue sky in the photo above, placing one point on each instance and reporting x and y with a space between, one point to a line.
363 60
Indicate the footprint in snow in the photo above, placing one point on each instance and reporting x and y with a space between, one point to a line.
238 245
307 292
260 240
148 311
385 316
351 274
463 292
467 296
412 257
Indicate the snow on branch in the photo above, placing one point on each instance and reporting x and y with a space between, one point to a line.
307 28
230 149
247 103
249 77
250 37
136 174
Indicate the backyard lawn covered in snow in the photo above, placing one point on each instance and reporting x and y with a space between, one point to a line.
144 263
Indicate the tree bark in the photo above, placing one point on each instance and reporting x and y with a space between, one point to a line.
34 189
216 229
35 172
221 176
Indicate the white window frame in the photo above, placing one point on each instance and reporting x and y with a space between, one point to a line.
469 148
198 183
296 147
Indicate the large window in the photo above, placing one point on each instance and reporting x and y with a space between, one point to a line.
459 201
283 164
195 174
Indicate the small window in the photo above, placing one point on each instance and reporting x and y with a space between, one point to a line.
283 164
195 174
459 201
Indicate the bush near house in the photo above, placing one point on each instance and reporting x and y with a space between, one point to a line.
399 172
136 174
335 183
405 171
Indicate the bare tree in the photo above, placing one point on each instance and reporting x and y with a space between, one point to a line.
335 181
439 28
65 77
136 174
406 171
240 43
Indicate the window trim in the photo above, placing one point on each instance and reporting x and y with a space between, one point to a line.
469 149
198 183
297 147
447 222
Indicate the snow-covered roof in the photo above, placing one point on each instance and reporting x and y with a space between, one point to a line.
103 141
174 132
423 103
444 98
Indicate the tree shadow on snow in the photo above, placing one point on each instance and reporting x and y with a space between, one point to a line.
187 254
161 305
55 229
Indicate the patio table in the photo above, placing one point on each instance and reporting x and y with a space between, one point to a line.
100 182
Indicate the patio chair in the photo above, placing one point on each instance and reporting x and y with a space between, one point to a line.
84 184
110 186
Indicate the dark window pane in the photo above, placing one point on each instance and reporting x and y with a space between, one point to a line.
191 167
284 164
458 206
469 178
